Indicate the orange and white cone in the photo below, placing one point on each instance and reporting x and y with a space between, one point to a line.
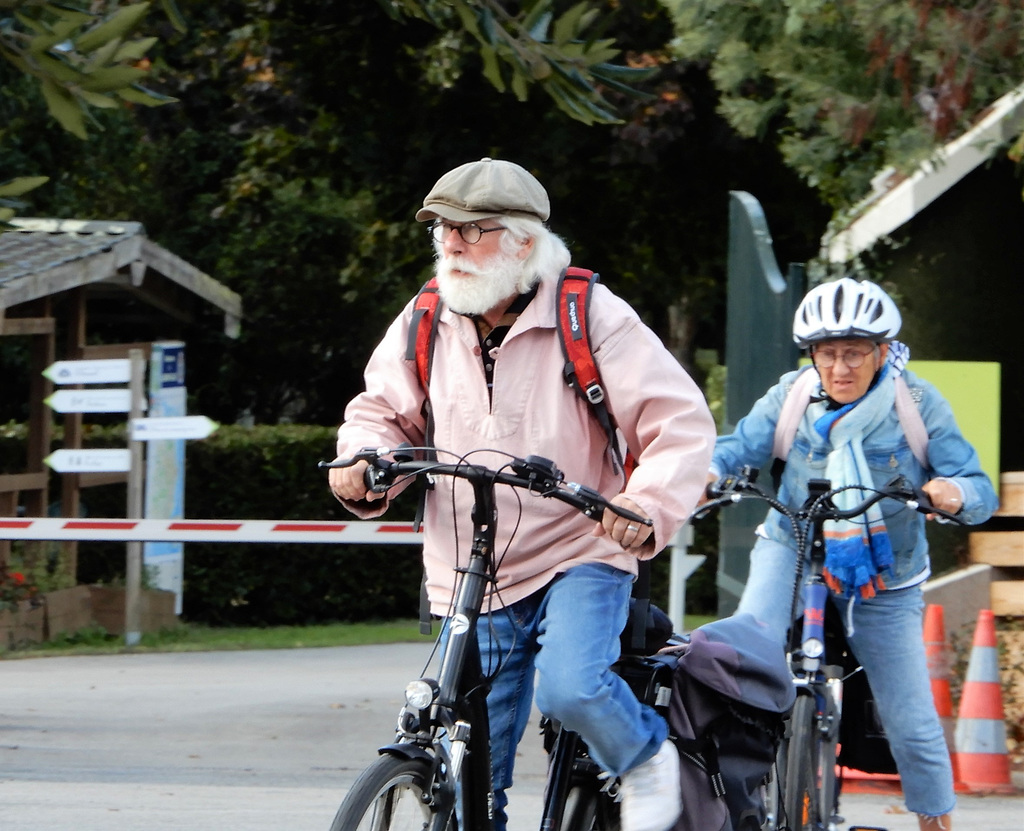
940 671
982 756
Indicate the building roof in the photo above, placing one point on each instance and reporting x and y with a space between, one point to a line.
897 200
43 257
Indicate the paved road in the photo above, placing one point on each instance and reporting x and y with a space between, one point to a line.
246 740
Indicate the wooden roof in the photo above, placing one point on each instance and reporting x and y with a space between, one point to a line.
43 257
896 200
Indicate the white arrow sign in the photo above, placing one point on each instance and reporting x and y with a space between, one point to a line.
106 371
172 427
118 400
90 461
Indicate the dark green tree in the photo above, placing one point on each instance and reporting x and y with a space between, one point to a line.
305 136
847 88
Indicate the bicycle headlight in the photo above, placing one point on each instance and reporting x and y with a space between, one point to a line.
813 648
421 693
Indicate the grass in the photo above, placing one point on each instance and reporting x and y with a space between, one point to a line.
188 637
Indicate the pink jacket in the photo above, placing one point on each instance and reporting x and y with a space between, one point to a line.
659 409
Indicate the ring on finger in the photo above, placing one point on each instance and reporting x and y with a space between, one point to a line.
631 528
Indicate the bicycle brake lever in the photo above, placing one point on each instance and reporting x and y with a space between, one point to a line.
367 454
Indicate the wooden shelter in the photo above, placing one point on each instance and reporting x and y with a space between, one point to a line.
54 273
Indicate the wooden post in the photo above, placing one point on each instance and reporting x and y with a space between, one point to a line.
136 477
70 483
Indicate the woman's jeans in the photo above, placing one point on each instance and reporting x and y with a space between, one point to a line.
888 640
566 636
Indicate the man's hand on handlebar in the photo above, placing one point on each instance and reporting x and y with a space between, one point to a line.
349 483
626 532
704 496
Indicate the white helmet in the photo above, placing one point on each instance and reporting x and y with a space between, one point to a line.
845 308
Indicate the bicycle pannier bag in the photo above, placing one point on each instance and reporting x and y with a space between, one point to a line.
732 688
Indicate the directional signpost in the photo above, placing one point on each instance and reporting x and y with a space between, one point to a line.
67 460
106 371
115 400
167 426
172 427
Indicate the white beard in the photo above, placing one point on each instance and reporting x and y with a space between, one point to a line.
479 289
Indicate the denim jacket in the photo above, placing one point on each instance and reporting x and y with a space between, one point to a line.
950 456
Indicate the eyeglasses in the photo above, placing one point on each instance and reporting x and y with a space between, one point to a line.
470 231
853 358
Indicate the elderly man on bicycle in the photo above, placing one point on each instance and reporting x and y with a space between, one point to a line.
563 585
851 433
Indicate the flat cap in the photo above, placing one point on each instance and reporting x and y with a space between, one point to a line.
489 187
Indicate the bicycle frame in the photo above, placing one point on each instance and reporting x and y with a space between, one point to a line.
817 680
460 707
443 734
805 792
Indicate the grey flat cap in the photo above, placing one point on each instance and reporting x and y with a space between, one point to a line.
489 187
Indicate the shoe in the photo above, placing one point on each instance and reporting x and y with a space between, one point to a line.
651 796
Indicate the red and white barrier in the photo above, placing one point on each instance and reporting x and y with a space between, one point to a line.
208 530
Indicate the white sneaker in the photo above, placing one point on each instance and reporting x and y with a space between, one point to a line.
651 798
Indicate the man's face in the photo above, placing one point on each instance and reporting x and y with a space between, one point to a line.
840 381
475 278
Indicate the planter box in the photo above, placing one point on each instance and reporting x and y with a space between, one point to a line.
108 607
67 611
23 625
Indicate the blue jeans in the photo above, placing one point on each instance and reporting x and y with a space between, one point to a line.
565 638
888 640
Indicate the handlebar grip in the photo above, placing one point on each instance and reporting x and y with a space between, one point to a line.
375 478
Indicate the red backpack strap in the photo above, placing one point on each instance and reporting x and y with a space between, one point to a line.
420 349
420 346
573 298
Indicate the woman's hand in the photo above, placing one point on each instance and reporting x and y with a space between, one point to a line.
945 495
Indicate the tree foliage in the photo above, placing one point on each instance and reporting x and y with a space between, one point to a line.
537 45
304 138
850 87
84 57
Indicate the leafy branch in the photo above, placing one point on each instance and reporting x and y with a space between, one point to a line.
537 47
81 59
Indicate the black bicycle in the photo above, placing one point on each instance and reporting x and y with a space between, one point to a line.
441 752
804 793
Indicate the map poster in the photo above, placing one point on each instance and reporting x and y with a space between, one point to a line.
165 467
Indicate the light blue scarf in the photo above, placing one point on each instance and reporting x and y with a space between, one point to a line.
857 550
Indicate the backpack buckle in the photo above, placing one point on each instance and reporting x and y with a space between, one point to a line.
595 393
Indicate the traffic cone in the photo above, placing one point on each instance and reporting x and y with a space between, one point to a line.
984 761
940 670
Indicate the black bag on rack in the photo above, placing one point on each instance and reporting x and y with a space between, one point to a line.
732 689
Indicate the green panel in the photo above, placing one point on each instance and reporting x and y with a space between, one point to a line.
972 390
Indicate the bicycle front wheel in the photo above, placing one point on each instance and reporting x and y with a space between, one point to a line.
390 795
800 782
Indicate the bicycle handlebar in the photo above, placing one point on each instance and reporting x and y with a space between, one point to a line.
535 474
733 488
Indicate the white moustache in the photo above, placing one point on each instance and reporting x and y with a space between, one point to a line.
456 263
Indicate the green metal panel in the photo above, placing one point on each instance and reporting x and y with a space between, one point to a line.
759 348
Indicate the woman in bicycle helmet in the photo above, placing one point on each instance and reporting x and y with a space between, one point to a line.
847 327
850 433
